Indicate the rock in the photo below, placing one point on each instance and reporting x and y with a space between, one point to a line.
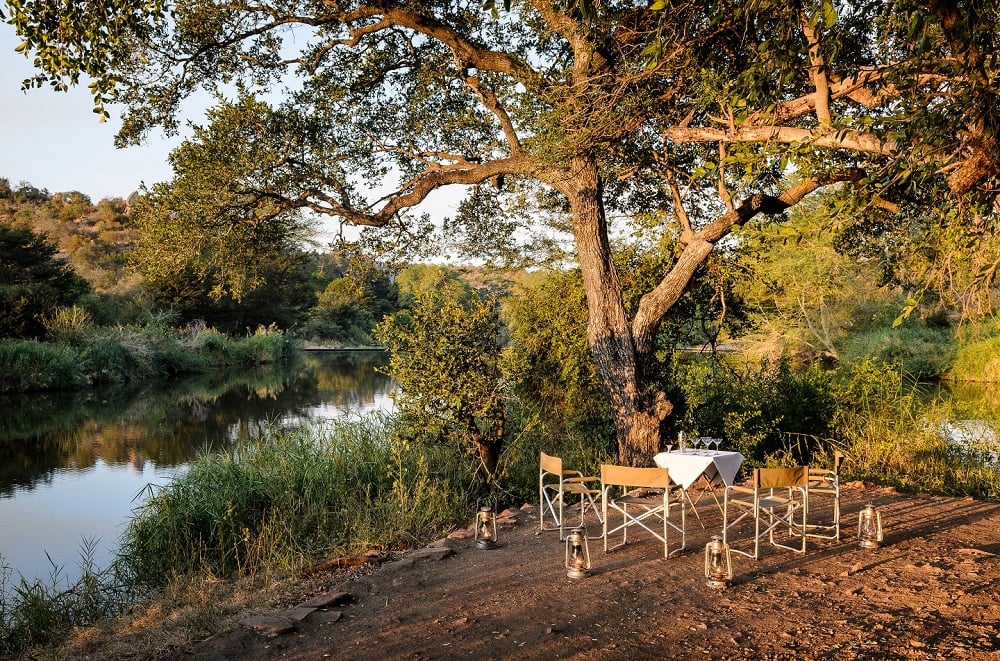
397 566
269 626
444 542
467 533
327 600
298 614
432 553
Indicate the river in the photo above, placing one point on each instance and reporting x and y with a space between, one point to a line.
73 466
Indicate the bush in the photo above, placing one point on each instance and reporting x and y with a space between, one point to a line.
70 325
977 360
174 360
108 361
266 346
758 408
31 365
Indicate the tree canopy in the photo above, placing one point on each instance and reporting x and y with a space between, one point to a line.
703 114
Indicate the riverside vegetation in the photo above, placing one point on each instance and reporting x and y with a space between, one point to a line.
288 499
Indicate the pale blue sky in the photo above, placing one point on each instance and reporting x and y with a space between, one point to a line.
54 141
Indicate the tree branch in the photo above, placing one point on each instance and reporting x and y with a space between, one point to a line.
654 305
847 139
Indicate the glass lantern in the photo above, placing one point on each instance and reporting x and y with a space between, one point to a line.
870 527
577 554
718 563
486 528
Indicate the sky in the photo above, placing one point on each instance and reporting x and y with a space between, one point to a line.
54 141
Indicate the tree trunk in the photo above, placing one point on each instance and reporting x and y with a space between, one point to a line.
638 410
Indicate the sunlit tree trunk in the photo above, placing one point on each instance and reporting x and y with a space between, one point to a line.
638 409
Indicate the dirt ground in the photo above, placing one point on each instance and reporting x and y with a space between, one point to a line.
930 592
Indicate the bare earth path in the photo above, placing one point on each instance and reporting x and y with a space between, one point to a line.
931 592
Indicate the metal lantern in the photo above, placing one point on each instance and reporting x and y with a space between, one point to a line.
870 527
718 563
577 554
486 528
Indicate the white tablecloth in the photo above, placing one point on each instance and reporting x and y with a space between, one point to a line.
686 467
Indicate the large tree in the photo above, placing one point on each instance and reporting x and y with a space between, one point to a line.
709 112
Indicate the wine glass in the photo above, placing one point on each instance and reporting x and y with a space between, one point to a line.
718 442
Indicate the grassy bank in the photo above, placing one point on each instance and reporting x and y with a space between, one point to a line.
126 354
258 514
289 498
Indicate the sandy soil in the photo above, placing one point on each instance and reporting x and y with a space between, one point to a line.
930 592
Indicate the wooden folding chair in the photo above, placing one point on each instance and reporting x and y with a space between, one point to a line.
643 501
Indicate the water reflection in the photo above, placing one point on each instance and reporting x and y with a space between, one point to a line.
71 463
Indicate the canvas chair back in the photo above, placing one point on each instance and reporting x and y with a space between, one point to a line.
630 476
550 464
780 478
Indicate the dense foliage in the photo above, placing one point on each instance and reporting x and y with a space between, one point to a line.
446 356
33 282
694 112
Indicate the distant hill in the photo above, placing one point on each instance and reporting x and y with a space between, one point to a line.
95 239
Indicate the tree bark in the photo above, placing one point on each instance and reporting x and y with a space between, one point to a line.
638 410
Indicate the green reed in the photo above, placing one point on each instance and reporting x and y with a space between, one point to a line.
289 497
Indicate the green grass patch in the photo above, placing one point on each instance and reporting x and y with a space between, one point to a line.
31 365
919 351
291 496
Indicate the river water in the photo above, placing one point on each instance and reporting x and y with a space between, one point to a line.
73 466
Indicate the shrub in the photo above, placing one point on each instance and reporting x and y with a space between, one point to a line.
977 360
31 365
71 325
266 345
758 407
108 361
174 360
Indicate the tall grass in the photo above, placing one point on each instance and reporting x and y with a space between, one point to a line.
273 505
125 354
289 497
36 612
892 436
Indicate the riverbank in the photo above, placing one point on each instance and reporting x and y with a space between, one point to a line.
928 593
